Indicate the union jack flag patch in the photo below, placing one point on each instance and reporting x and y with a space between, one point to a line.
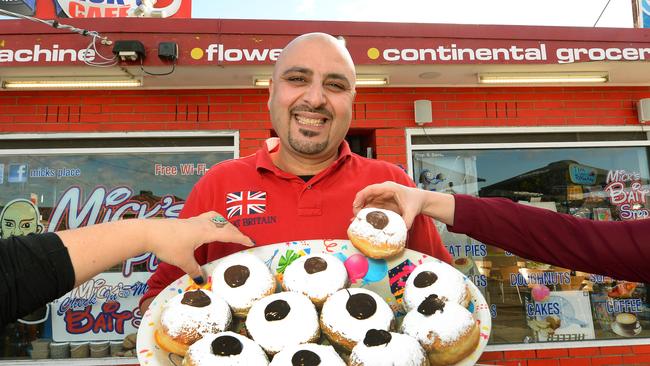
245 203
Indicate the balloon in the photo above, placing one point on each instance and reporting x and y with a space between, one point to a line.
540 292
377 270
357 266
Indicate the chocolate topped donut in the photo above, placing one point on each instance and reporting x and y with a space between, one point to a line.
283 319
236 275
277 310
307 354
376 337
349 314
197 298
315 265
378 233
225 348
377 219
431 304
385 348
241 279
317 275
435 277
361 306
424 279
305 358
226 345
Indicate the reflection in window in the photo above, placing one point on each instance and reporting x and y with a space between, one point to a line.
532 301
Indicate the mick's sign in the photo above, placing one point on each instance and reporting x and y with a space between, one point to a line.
106 307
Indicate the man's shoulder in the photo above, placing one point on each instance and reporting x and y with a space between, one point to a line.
244 163
377 166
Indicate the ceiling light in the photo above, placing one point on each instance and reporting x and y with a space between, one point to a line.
543 77
71 83
262 81
362 80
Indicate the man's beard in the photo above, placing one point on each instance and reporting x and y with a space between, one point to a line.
307 147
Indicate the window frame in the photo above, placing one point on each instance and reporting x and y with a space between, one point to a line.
505 131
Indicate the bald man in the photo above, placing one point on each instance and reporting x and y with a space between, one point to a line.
19 217
299 186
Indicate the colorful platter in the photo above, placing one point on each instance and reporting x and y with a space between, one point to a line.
385 277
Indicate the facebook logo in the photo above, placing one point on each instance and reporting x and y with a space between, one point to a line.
17 173
2 173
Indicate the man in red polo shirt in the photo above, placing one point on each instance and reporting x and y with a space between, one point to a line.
300 186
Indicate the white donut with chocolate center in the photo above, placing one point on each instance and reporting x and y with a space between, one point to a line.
378 233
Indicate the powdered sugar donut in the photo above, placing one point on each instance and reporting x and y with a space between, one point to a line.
348 314
308 354
316 275
446 330
378 233
435 278
187 316
381 348
281 320
241 279
227 349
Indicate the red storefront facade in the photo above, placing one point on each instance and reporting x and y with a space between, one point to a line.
212 90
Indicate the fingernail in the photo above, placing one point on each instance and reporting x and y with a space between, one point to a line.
199 280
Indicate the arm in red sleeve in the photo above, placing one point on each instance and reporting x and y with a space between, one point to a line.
612 248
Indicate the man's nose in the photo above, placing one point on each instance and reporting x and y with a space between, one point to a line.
315 95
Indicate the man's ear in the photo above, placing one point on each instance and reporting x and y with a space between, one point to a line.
39 228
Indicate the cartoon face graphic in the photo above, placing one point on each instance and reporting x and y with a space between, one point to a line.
19 217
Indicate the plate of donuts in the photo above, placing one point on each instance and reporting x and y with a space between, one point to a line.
290 297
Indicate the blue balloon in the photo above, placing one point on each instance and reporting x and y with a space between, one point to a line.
340 256
377 270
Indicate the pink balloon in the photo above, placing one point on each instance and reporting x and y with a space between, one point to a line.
540 292
357 266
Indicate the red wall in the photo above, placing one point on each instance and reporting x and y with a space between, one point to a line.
388 110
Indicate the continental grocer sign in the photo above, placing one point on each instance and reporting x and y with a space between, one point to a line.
260 50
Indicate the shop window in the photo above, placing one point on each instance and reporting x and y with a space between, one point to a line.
49 184
608 180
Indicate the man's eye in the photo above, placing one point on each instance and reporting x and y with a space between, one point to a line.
296 79
336 86
9 224
26 225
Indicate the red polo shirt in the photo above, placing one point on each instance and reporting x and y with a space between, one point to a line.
273 206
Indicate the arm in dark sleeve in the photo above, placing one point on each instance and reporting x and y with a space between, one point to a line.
612 248
34 270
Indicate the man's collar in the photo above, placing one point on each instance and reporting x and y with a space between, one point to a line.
263 155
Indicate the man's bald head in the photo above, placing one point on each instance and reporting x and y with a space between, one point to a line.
323 39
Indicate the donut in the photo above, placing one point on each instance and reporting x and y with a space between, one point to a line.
308 354
317 276
227 349
435 278
281 320
187 316
382 348
378 233
446 330
348 314
241 279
